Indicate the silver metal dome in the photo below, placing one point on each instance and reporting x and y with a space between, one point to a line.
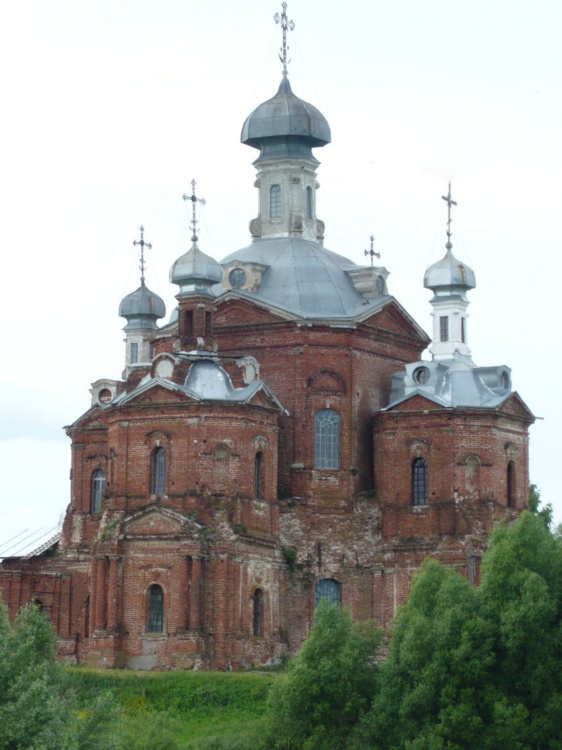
142 302
449 272
285 120
195 272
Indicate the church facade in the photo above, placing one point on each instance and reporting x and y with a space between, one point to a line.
279 441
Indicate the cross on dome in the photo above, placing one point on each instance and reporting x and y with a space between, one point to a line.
372 252
450 202
143 244
194 199
285 24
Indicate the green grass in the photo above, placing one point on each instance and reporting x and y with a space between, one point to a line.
198 710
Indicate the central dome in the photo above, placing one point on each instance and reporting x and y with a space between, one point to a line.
303 278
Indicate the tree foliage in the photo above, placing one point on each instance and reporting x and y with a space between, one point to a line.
33 705
478 667
329 684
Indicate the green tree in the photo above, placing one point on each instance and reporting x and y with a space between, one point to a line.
478 667
546 512
329 684
33 706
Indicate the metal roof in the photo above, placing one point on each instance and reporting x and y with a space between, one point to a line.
452 383
449 272
304 278
142 302
30 542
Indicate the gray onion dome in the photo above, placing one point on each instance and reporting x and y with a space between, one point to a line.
195 272
285 126
449 273
142 308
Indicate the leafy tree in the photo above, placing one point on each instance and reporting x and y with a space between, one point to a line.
329 684
33 705
546 512
478 667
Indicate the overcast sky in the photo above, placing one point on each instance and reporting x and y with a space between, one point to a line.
111 107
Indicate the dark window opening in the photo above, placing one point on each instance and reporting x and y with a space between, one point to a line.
158 479
309 202
188 323
463 330
257 619
155 622
511 485
327 439
327 589
258 476
419 482
208 323
98 488
444 328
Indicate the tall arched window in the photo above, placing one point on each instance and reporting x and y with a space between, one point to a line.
327 439
98 488
158 477
309 213
257 617
155 621
275 202
511 485
419 482
328 589
258 476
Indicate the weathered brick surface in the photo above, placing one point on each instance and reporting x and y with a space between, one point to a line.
214 548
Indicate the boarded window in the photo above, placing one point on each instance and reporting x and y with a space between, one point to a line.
309 202
98 488
159 469
511 485
327 439
444 328
257 619
220 466
327 589
419 482
275 202
155 622
258 476
134 353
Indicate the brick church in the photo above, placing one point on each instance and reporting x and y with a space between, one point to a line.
279 441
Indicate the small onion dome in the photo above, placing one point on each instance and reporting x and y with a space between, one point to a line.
142 308
195 272
285 126
449 274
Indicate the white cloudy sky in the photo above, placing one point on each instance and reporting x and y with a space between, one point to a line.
110 108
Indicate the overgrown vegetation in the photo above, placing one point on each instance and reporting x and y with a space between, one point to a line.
466 667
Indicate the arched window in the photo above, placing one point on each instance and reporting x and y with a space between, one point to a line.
511 485
309 213
275 202
158 478
155 622
379 286
258 476
98 488
327 439
419 482
328 589
257 618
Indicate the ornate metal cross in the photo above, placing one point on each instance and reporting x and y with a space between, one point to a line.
372 252
194 199
142 244
285 24
450 202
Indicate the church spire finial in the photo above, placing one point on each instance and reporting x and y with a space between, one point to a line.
194 199
450 202
285 24
143 244
372 252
